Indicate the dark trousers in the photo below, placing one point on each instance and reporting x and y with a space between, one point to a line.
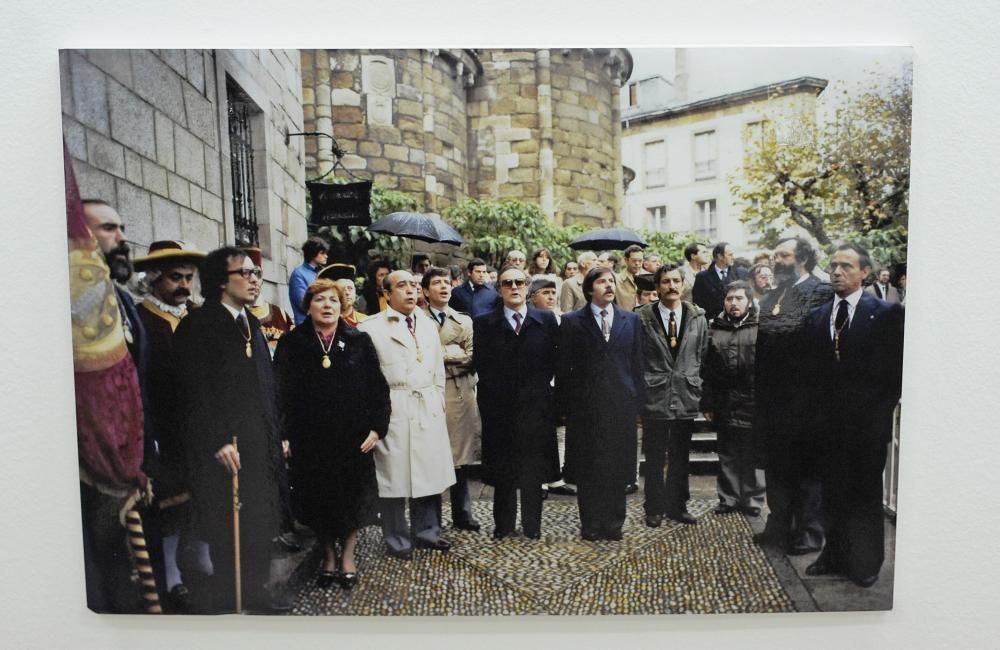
505 503
107 561
425 521
602 506
794 499
852 502
739 482
461 502
663 440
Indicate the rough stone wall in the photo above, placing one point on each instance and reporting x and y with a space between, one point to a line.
400 115
142 127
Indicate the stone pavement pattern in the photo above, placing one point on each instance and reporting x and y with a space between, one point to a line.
713 567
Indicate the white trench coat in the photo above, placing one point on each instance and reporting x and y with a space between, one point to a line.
414 458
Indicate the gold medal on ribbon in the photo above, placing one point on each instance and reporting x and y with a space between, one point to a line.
776 310
420 356
248 350
326 361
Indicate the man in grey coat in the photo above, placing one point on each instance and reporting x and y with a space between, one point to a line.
674 337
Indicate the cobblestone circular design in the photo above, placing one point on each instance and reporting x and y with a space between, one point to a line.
712 567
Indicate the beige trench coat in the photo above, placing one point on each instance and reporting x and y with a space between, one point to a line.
464 426
414 458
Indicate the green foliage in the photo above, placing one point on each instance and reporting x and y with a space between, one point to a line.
847 179
668 245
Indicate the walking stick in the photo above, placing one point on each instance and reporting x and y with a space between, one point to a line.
140 554
236 534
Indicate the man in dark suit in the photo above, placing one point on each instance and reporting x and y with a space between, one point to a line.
475 297
227 392
855 352
709 290
599 389
882 289
514 352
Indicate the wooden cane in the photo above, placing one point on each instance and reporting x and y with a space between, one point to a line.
140 554
236 533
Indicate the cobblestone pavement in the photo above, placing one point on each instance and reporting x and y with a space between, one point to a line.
712 567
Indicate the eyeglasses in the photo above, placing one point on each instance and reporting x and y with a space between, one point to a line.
246 273
520 282
177 277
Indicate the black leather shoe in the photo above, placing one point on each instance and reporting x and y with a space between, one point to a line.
533 535
819 568
589 535
500 534
865 582
654 521
436 545
565 490
467 525
614 535
405 554
631 488
287 543
802 549
751 511
347 580
325 579
683 517
724 509
545 494
179 599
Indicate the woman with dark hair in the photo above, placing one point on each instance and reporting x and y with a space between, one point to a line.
334 405
542 263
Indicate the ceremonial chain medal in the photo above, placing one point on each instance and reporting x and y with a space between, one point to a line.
326 350
248 350
836 338
777 305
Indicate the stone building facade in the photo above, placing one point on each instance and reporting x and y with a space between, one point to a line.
536 125
148 131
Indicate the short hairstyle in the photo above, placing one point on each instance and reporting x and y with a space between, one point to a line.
431 273
313 247
318 287
513 251
375 265
804 252
720 249
585 257
417 259
511 267
215 271
663 270
692 249
741 284
648 256
865 259
456 271
474 262
634 248
592 277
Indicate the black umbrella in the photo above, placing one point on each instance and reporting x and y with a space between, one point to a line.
414 225
607 239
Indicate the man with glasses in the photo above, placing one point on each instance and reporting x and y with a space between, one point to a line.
226 396
517 259
170 269
514 353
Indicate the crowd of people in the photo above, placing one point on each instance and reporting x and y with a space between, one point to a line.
362 405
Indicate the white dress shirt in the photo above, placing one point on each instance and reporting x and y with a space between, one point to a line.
596 311
665 317
235 312
509 315
852 304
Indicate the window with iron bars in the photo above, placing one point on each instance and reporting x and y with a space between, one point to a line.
242 168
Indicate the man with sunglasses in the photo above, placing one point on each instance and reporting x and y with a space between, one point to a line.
226 398
169 271
514 352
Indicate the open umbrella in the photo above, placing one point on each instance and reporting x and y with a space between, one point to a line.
414 225
607 239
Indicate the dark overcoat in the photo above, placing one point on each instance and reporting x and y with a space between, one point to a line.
782 435
600 390
224 394
709 293
727 371
515 394
326 413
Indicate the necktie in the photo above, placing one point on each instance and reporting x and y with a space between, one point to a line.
672 326
723 272
841 319
605 328
517 322
441 318
410 325
244 325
